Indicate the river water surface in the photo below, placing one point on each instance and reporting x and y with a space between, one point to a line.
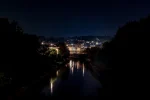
73 80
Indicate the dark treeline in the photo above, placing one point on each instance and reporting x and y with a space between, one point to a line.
117 54
116 51
21 57
20 60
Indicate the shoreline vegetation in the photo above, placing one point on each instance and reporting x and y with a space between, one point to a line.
21 58
116 53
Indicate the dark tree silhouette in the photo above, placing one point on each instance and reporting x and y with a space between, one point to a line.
19 53
63 50
118 50
117 53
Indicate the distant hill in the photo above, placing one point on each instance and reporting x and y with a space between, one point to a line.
89 38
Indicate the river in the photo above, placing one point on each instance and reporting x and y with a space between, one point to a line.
73 80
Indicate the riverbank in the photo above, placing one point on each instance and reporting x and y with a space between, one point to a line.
104 75
16 89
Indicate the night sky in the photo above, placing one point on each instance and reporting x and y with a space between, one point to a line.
73 17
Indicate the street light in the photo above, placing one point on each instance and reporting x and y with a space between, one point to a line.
96 43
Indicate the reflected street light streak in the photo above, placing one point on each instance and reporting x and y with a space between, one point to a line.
51 86
52 81
72 69
83 69
78 65
70 63
57 73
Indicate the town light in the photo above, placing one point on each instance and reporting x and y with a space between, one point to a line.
78 49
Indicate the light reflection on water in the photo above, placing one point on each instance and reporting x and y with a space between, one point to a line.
83 69
70 63
53 80
57 72
77 65
51 88
75 74
72 66
72 69
51 85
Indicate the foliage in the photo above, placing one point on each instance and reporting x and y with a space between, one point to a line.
63 50
116 52
93 52
20 54
53 52
44 50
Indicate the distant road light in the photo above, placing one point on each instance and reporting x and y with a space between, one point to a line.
51 44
